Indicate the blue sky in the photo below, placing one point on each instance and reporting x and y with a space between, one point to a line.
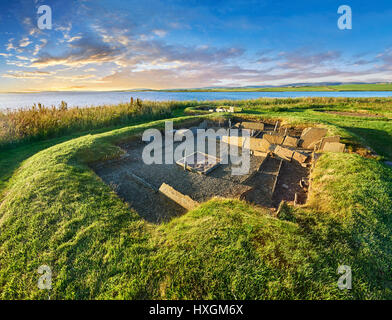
111 45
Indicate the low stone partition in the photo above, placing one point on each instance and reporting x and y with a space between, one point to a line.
315 138
311 136
290 142
255 144
284 153
273 138
334 147
253 125
320 145
183 200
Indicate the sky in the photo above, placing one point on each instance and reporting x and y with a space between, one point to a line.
120 45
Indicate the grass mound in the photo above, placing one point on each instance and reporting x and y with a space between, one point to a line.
355 195
56 211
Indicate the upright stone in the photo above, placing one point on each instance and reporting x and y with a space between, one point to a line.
284 153
260 145
178 197
290 142
273 138
253 125
328 139
300 157
310 136
334 147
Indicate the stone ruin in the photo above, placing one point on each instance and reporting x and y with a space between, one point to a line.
281 160
287 147
273 144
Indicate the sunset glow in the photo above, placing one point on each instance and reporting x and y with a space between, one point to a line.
120 45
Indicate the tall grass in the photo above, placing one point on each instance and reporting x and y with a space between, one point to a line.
41 122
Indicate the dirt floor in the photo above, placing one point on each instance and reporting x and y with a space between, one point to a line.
288 183
263 183
137 183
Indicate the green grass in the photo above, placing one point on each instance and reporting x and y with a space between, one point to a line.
56 211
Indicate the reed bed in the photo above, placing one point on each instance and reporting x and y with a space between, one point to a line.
40 122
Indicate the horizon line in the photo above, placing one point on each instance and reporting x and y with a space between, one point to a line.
303 84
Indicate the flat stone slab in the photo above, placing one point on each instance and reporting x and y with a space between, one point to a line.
183 200
290 142
334 147
273 138
284 153
310 136
300 157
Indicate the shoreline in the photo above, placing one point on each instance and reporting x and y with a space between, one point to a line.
363 87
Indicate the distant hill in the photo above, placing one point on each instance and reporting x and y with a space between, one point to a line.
320 86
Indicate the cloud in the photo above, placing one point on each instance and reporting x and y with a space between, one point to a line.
80 51
159 33
386 59
124 50
362 62
24 42
53 76
22 58
303 60
17 63
39 47
26 74
10 46
202 71
74 39
34 31
21 44
99 48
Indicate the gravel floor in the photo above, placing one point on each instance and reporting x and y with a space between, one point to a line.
137 183
151 205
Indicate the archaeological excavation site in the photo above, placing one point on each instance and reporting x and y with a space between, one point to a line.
281 159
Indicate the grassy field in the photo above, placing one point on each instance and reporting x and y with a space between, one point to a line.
54 210
342 87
